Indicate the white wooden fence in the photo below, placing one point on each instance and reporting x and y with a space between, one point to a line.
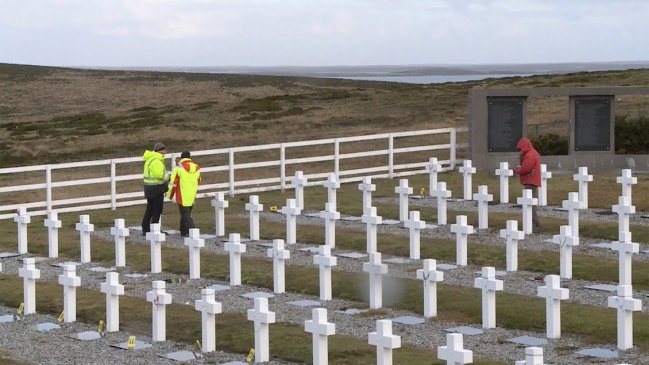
112 199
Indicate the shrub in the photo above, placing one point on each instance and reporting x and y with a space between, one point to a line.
631 134
551 144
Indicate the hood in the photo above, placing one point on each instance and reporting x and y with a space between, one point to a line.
188 165
148 154
524 145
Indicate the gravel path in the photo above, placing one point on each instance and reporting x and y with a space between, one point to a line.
23 343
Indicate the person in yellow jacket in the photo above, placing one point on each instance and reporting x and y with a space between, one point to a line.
155 185
183 187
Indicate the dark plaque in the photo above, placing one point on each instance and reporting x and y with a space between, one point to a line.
505 123
593 124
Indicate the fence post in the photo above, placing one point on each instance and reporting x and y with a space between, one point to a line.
453 143
113 186
48 187
337 158
390 156
282 166
231 166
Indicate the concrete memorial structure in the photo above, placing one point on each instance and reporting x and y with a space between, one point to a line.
235 248
627 180
553 294
120 232
159 299
583 178
467 170
566 241
262 317
533 356
113 289
512 235
299 182
330 216
219 203
22 219
461 230
624 209
209 308
279 256
291 211
84 227
626 249
489 285
376 270
384 341
483 198
433 168
503 173
414 225
526 202
155 237
70 281
442 196
254 208
332 184
572 205
404 191
367 188
325 262
543 189
454 353
431 276
29 273
53 224
372 221
625 305
194 243
321 330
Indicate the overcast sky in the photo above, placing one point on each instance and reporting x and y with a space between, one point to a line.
320 32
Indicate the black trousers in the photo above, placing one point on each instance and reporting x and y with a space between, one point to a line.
153 212
535 194
186 220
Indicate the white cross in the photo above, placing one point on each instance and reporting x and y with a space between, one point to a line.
583 179
454 352
219 203
367 188
159 299
430 275
84 227
489 285
527 201
29 273
626 248
235 248
156 238
279 256
623 209
461 230
403 190
627 180
625 305
375 269
371 220
573 204
483 197
384 341
533 356
53 224
330 216
512 235
254 208
553 294
299 181
415 225
442 195
120 232
209 308
69 280
433 168
331 184
325 261
291 210
543 190
22 219
320 330
566 241
467 170
262 318
504 172
113 289
194 242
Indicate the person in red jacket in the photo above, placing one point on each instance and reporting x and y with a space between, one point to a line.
529 171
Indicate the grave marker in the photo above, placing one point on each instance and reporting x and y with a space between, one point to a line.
627 180
262 318
527 201
403 190
29 273
461 230
483 197
624 209
325 261
69 280
372 221
489 285
430 275
543 189
625 305
433 168
235 248
84 227
320 329
330 216
159 299
194 242
533 356
512 235
22 219
209 308
53 224
553 294
279 255
566 241
573 204
367 188
415 226
442 195
583 179
291 210
504 172
219 203
454 352
254 208
331 185
375 269
120 232
467 170
384 341
113 289
626 248
156 238
299 182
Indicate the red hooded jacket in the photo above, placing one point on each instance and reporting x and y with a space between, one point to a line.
529 169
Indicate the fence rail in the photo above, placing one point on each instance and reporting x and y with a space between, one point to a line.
415 163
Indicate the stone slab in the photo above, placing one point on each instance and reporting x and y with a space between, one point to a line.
605 212
352 311
265 244
409 320
465 330
308 249
87 336
499 273
235 363
529 341
351 218
599 352
398 260
314 215
418 197
182 356
258 294
102 269
603 287
446 267
136 275
170 232
644 216
208 236
4 255
431 226
61 264
47 326
549 240
135 228
305 303
353 255
176 281
139 345
36 259
607 246
391 222
218 287
7 318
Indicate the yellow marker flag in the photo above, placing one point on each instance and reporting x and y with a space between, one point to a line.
422 192
21 307
131 342
61 317
101 327
196 350
273 208
251 355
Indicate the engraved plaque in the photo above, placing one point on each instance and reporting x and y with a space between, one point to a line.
505 123
593 124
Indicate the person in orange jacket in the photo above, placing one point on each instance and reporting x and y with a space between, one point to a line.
529 171
183 187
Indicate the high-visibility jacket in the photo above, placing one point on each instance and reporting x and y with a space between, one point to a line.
184 182
529 169
154 172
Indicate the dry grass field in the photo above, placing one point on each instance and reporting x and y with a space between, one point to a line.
50 115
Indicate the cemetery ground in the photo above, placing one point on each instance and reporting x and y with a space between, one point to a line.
586 319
